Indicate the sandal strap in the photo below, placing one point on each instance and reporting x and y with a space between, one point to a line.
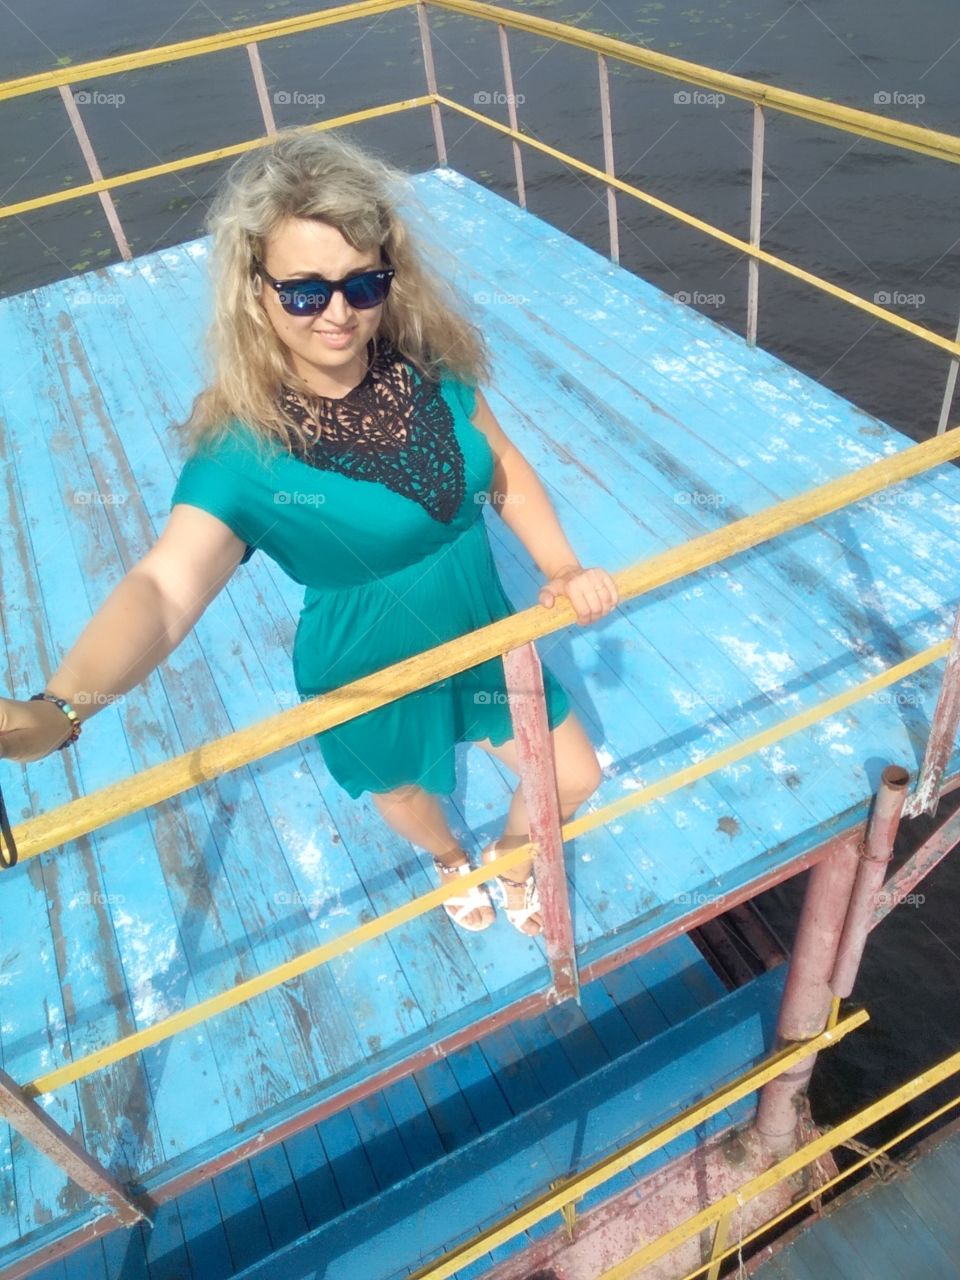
531 898
476 897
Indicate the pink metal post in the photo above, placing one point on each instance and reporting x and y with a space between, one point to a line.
874 860
608 158
30 1119
918 865
943 735
538 780
431 83
512 113
834 886
266 110
807 996
93 168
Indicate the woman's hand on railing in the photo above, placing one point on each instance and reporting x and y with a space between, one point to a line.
30 730
592 592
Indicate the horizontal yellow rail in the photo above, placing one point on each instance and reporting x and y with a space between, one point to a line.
159 55
151 786
897 133
577 1187
786 1168
734 242
824 1187
238 148
866 124
201 158
327 951
269 981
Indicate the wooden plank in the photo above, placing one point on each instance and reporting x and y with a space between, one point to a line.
278 1195
572 360
315 1181
47 942
252 911
242 1215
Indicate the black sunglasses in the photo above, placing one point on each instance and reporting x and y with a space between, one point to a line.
309 297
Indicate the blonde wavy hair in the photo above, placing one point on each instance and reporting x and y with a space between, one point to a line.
302 173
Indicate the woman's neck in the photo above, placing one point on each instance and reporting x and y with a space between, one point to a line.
322 384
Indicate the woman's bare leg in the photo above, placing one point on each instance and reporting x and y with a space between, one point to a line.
418 816
578 776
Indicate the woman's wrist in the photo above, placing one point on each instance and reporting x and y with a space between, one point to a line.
569 566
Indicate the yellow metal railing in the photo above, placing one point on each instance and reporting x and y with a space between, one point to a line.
147 788
572 1189
895 133
718 1214
234 750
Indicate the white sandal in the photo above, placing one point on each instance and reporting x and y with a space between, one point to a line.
475 899
518 916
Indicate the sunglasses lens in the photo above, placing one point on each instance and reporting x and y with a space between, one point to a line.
368 290
306 299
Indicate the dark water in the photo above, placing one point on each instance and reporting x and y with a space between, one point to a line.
868 217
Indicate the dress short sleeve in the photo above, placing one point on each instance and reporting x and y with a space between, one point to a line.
466 393
211 484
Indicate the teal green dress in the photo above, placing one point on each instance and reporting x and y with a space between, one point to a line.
392 547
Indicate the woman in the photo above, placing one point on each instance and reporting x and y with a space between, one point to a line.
343 435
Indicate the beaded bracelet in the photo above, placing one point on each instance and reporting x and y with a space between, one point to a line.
67 710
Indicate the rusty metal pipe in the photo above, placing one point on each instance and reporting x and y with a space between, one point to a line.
807 995
874 860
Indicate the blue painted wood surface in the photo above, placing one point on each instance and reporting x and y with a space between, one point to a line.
649 424
888 1231
281 1213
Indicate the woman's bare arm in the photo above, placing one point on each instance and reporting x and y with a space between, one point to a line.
146 616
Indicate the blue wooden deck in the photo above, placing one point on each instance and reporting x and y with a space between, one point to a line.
906 1229
649 424
475 1136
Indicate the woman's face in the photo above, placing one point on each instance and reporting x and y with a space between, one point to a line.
327 350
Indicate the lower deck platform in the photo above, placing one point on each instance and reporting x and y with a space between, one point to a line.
648 424
888 1230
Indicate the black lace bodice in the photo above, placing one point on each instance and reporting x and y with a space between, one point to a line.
394 428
